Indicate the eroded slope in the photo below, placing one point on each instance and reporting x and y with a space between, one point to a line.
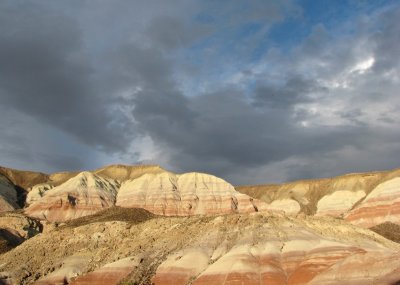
366 199
82 195
256 248
8 195
182 195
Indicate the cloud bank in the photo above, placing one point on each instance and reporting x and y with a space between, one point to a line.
222 87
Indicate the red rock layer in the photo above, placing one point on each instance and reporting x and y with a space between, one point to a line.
296 267
334 196
72 267
380 206
182 195
110 274
180 267
288 255
380 268
331 265
82 195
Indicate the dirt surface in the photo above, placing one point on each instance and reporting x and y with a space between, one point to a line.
119 233
131 216
388 230
15 228
9 240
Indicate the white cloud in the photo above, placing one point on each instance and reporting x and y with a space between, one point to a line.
362 66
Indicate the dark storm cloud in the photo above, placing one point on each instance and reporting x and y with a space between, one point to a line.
353 115
24 144
15 147
169 32
61 162
45 72
158 107
295 90
229 131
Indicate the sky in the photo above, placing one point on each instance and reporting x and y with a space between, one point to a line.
253 91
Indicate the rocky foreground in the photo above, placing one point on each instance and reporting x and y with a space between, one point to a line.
145 225
258 248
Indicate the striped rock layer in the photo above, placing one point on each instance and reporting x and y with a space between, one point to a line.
37 192
112 273
257 248
182 195
364 199
285 255
380 206
82 195
338 203
71 267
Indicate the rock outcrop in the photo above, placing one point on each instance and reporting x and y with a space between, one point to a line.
82 195
9 239
115 171
15 228
305 232
112 273
28 179
288 253
127 172
258 248
36 192
365 199
182 195
8 195
338 203
380 206
71 267
179 267
23 226
289 206
23 179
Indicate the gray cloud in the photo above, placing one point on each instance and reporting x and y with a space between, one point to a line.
45 72
232 133
385 39
169 32
26 144
294 91
179 83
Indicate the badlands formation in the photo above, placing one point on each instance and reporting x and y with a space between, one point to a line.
145 225
169 194
364 199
